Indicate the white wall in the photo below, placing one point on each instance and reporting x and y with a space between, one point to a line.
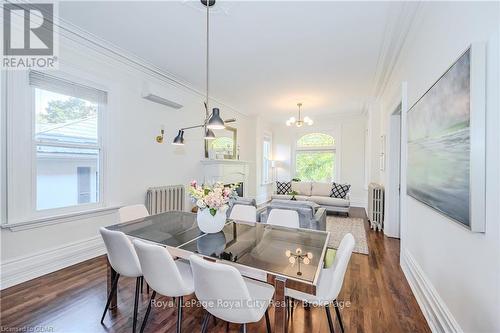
134 161
349 133
455 273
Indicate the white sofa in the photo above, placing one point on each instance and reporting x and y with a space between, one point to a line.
319 193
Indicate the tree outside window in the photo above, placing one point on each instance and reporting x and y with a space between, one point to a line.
315 157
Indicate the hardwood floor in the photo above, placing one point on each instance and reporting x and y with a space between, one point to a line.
376 295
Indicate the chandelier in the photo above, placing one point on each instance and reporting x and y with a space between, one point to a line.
214 120
299 121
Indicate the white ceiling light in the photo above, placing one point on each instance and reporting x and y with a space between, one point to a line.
299 122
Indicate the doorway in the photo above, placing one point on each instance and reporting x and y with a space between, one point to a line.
393 188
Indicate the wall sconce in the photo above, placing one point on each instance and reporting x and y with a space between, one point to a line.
159 138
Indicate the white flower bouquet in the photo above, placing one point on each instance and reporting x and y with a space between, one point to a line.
214 198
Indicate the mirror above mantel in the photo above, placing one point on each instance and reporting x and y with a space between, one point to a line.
224 146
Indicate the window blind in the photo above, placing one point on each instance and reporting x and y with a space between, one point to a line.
66 87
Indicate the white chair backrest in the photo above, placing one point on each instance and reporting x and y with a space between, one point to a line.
244 213
121 253
132 212
160 271
331 279
214 281
284 217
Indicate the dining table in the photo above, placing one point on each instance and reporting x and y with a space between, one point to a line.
259 251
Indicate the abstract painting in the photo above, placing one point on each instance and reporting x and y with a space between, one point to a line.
439 144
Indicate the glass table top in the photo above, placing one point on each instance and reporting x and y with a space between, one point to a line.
295 253
171 228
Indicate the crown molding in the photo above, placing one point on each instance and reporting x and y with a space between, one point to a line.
396 34
104 47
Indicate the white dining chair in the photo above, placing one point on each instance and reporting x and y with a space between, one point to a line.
329 283
284 217
216 283
132 212
165 275
245 213
123 259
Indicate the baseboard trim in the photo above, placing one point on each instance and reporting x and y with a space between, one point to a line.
435 311
25 268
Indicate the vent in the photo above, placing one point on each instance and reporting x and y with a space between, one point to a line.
161 100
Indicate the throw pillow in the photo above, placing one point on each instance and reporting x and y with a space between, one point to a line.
283 187
329 258
340 190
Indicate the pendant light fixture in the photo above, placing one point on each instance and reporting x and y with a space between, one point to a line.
179 139
299 122
214 120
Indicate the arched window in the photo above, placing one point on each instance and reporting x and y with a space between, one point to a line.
315 157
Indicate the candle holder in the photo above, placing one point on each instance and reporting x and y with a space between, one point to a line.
299 257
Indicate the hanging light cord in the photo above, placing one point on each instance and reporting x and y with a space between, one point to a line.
208 63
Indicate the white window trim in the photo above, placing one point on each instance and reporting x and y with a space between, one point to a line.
62 214
267 137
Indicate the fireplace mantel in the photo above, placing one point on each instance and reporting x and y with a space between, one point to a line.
226 171
230 162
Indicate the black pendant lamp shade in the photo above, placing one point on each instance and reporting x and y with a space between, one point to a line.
209 134
215 121
179 139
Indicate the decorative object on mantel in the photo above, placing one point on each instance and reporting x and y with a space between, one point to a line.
299 122
224 146
214 120
212 202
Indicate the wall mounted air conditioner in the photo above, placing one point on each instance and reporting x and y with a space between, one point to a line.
160 100
168 96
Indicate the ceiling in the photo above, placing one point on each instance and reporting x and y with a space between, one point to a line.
265 56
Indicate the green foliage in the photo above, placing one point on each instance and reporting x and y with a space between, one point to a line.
316 140
222 144
316 166
213 211
61 111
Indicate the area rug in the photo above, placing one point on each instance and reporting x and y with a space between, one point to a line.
338 226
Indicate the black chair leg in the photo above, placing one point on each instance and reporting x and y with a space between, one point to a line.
145 320
268 323
114 286
136 303
337 311
329 316
227 326
243 328
179 314
142 284
204 324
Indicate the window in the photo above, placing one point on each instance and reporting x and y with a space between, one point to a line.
266 159
67 142
315 157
